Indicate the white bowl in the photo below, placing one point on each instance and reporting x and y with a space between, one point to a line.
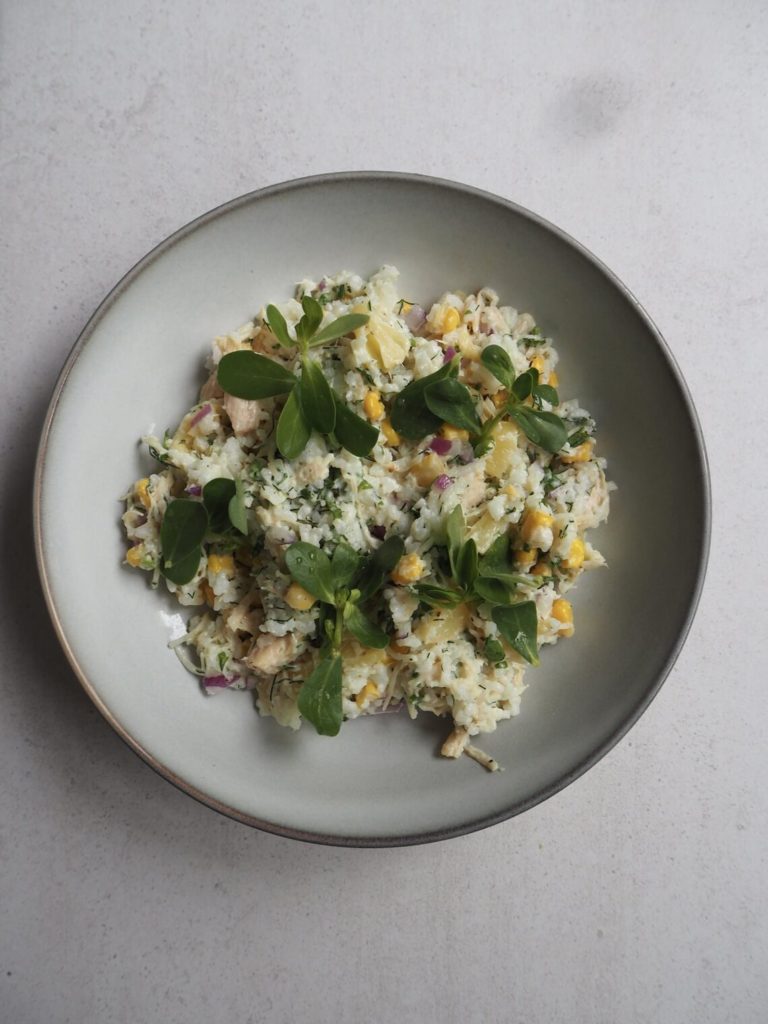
137 364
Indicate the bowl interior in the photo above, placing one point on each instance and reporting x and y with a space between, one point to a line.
138 368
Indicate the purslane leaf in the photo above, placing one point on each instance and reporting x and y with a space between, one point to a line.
367 632
313 316
320 696
293 431
251 376
311 568
496 359
216 497
345 564
410 415
236 509
439 597
278 326
378 566
184 526
518 625
545 429
451 401
184 569
357 435
455 529
316 398
339 327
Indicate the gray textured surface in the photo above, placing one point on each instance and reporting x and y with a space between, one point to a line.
639 894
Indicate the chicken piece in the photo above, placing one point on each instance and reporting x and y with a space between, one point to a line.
271 653
456 742
211 388
245 617
244 415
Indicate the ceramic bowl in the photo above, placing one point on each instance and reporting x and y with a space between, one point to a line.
137 366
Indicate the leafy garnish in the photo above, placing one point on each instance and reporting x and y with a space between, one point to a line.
546 429
518 624
341 583
236 509
184 526
217 495
410 415
312 403
451 401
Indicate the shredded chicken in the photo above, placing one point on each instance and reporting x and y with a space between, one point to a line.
271 653
456 742
482 758
244 415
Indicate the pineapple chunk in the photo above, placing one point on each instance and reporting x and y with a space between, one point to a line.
442 624
485 531
387 343
503 451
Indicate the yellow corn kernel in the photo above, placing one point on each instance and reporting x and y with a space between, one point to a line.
134 555
512 491
391 436
526 557
537 363
298 598
541 569
369 692
581 454
405 307
536 519
221 563
576 553
563 612
451 319
500 398
208 595
503 453
409 569
451 433
142 492
428 469
553 380
373 405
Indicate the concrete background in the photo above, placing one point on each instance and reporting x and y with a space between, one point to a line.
639 893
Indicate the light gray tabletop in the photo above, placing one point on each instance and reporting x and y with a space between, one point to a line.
637 894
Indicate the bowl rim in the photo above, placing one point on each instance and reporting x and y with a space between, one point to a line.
407 839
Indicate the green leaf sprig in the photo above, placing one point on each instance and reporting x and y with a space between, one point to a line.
187 523
425 404
312 404
342 583
488 578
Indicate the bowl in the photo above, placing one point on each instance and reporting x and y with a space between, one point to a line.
137 365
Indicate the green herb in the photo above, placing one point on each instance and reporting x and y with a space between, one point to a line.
217 495
410 416
451 401
236 509
438 597
162 457
578 437
320 696
497 360
249 375
293 431
341 583
316 398
545 429
518 625
185 524
352 432
494 651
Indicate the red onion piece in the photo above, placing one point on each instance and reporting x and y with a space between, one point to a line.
448 354
379 532
200 414
194 489
415 319
218 682
443 482
322 286
440 446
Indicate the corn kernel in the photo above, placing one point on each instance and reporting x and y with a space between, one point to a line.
451 319
142 492
563 612
512 491
207 591
391 436
428 469
580 454
409 569
536 519
134 555
369 692
500 398
537 363
298 598
541 569
373 405
576 553
451 433
405 307
553 380
221 563
526 557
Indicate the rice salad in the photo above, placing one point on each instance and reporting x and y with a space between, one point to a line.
374 506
